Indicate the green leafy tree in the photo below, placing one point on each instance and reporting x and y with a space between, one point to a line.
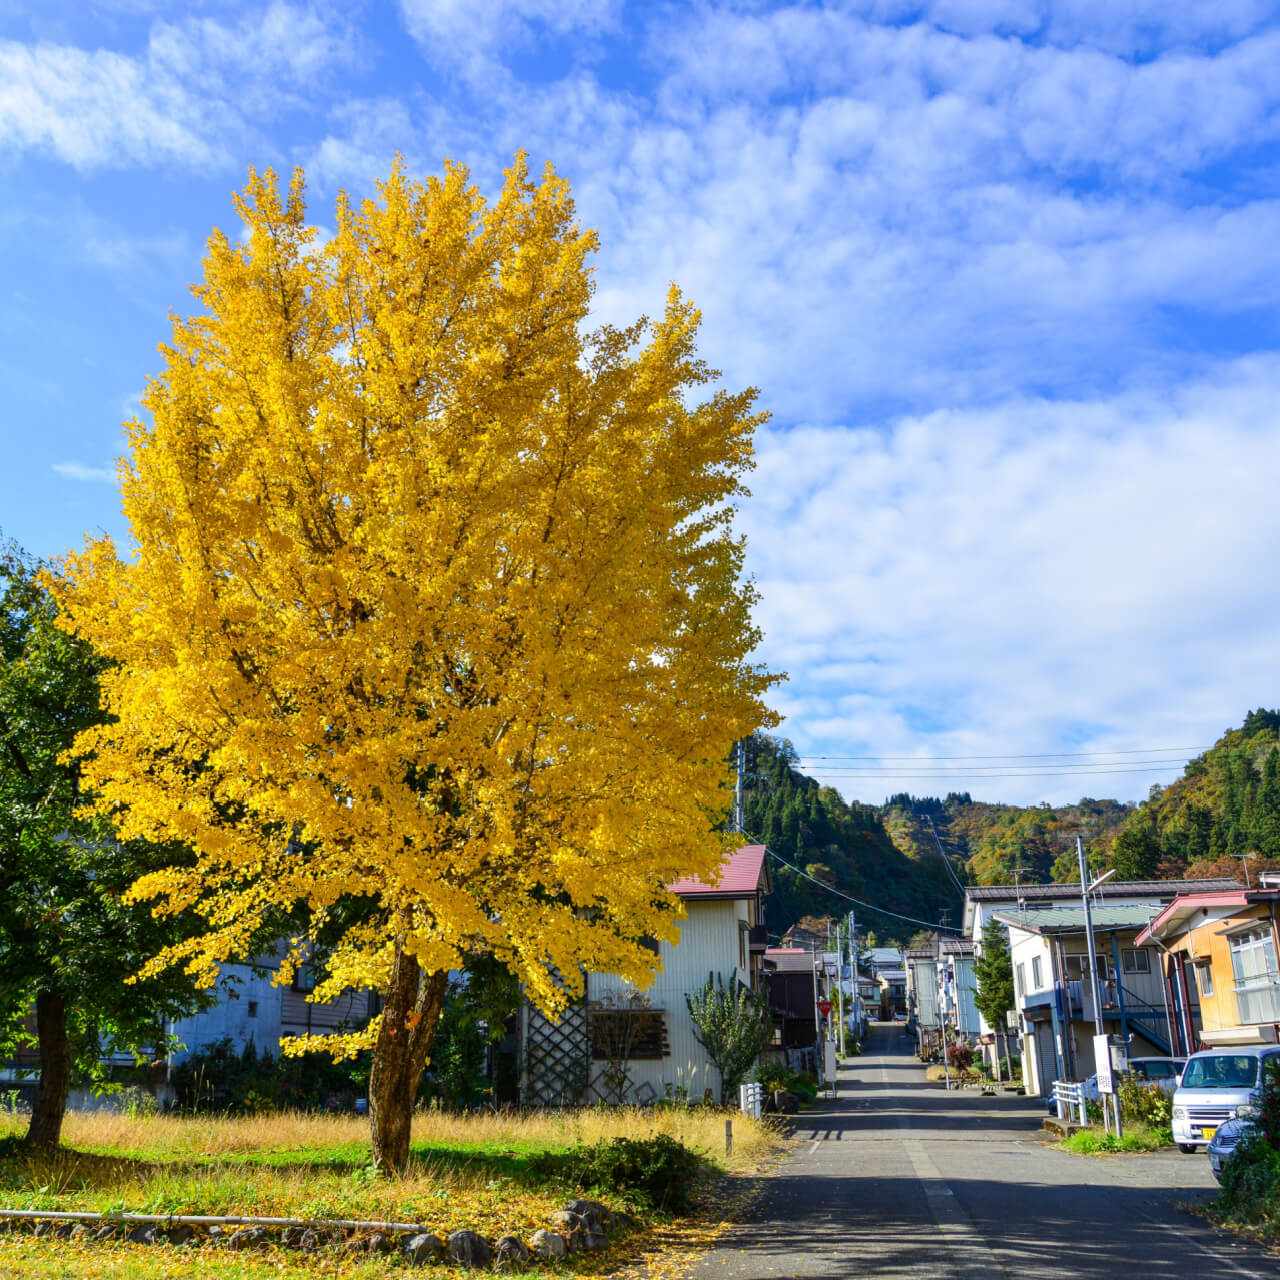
68 941
734 1025
1136 855
993 974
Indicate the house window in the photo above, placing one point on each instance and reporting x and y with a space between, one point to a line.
1020 980
1077 968
304 978
253 1009
1137 961
628 1034
1204 977
1035 973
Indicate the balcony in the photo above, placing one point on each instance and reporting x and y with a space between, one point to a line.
1258 1002
757 939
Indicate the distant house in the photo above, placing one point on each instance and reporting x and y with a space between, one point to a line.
940 993
957 989
251 1007
1222 947
625 1045
795 982
889 968
1054 990
922 997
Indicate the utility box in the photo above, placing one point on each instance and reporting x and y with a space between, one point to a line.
1111 1053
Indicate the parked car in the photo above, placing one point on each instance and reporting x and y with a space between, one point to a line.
1228 1135
1214 1084
1166 1072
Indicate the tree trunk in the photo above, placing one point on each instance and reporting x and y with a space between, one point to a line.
55 1072
409 1020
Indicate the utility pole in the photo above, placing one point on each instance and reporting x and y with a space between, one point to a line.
737 791
844 1002
1098 1028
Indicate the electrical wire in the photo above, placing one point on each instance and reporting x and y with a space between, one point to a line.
1043 755
848 897
946 862
1084 772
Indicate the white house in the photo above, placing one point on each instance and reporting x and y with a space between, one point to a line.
627 1045
982 902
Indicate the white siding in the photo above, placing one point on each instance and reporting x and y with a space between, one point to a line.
709 943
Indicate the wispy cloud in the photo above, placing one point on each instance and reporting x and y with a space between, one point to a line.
468 35
79 471
198 85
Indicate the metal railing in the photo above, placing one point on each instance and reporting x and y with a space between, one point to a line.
1068 1098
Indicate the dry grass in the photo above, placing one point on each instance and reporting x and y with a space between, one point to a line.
468 1171
329 1139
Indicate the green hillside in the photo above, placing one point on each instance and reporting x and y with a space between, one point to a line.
845 845
1224 809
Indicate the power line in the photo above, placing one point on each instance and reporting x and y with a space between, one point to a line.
848 897
946 862
1029 772
1043 755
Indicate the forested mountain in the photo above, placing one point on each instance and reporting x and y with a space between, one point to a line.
998 843
842 844
1226 806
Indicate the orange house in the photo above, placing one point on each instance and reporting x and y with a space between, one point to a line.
1226 944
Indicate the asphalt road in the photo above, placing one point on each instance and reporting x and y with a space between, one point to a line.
899 1178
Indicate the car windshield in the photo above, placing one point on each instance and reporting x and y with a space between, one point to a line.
1221 1071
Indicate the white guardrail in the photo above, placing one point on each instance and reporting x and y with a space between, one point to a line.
1068 1098
751 1099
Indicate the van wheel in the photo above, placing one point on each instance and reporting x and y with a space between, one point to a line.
1187 1148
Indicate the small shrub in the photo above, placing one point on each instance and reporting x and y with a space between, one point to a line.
658 1172
1269 1103
776 1075
1251 1180
1145 1103
960 1056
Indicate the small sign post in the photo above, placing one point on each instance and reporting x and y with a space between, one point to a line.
824 1008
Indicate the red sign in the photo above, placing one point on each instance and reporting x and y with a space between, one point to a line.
824 1007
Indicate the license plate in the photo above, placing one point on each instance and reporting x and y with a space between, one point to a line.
1207 1134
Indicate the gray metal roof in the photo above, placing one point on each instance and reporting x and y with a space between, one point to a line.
1111 889
1071 919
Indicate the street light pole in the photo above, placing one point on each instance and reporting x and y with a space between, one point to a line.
1098 1027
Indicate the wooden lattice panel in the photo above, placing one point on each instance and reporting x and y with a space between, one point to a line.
557 1057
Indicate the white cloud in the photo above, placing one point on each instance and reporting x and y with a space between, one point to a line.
1094 571
79 471
199 85
470 33
1119 26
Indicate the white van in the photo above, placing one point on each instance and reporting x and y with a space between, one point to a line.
1214 1083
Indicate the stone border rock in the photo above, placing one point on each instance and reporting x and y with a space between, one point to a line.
581 1226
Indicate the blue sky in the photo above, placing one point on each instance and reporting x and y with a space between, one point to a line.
1006 274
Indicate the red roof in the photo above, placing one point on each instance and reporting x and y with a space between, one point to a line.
740 877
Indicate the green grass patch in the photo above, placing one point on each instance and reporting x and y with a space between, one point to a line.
1095 1141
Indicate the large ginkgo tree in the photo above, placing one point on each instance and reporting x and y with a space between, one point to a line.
434 635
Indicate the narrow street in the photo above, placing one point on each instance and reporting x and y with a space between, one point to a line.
899 1178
